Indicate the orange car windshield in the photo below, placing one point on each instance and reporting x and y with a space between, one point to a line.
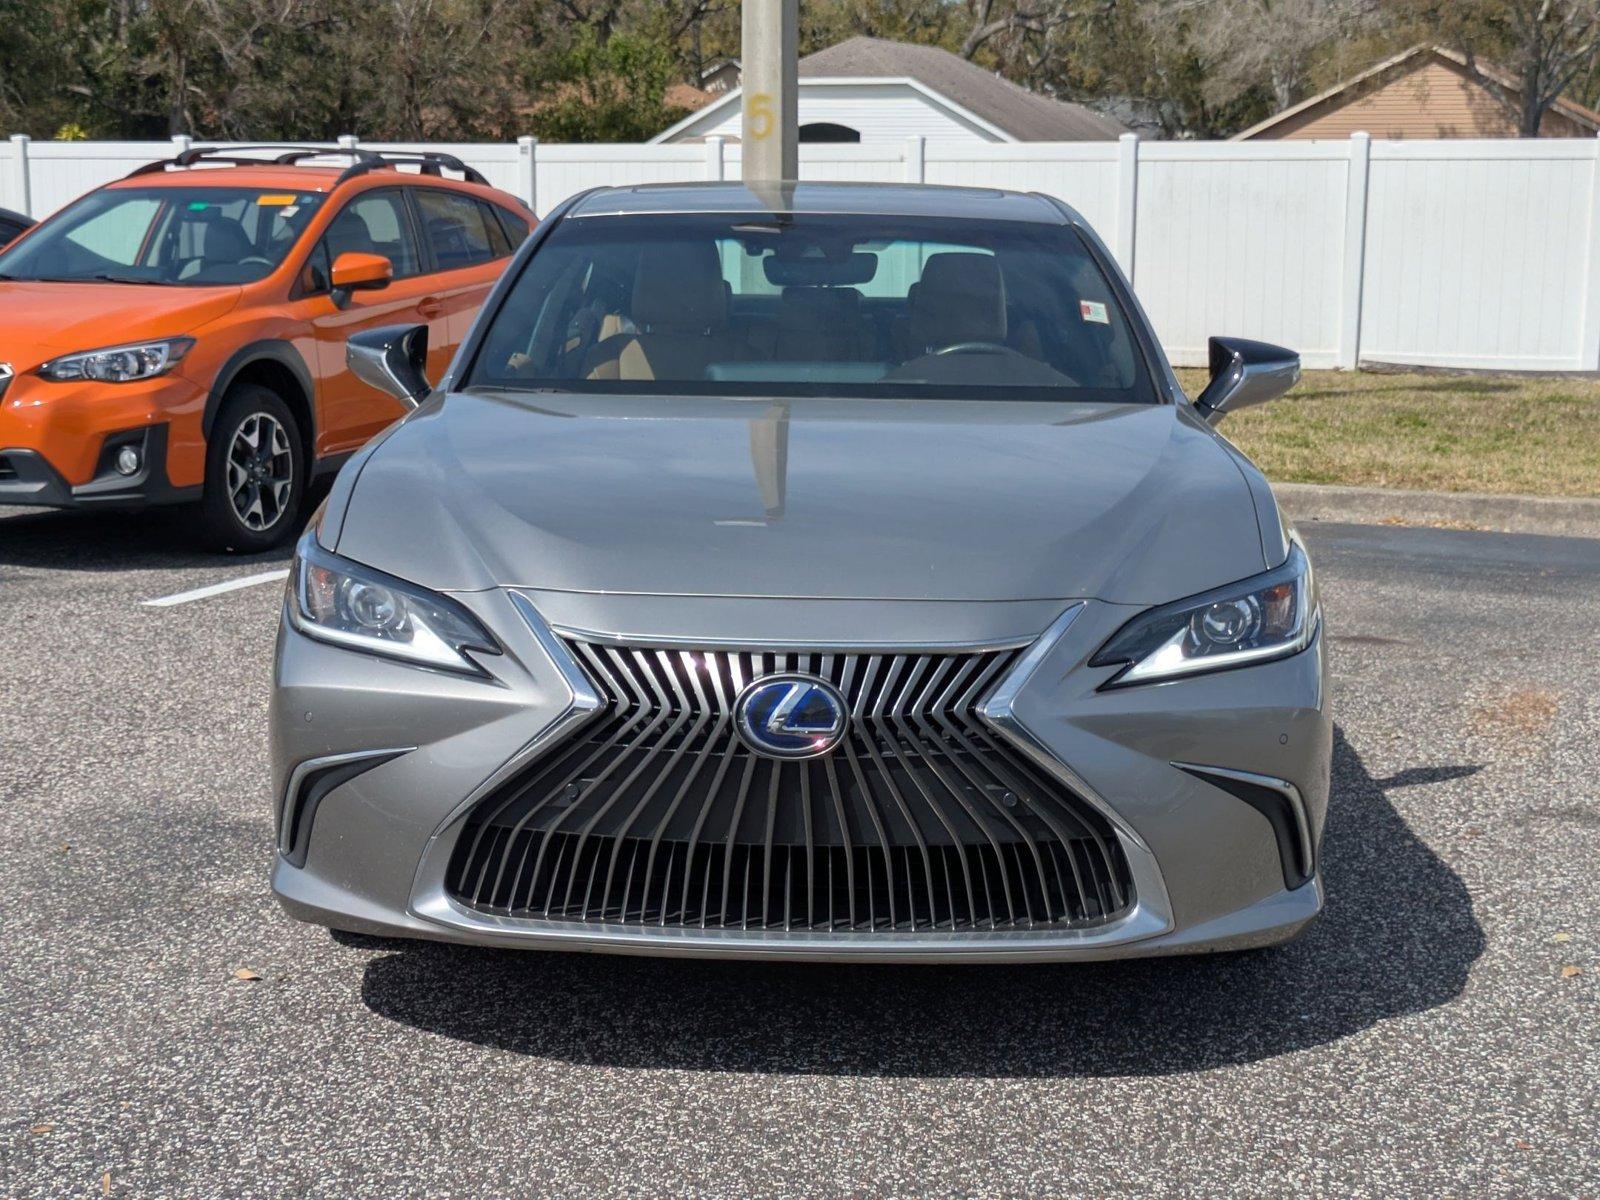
187 237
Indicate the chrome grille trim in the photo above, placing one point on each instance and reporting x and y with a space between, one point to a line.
650 813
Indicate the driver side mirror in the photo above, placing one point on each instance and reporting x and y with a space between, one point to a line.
356 272
1244 374
393 359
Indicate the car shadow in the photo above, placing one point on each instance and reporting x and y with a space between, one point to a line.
1398 936
156 539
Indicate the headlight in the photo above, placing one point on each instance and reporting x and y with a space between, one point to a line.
119 364
335 600
1269 616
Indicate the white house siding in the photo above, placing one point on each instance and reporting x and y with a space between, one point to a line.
883 112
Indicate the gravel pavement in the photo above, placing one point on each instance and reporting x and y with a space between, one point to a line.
1428 1036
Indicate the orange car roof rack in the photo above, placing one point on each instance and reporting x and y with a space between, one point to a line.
428 162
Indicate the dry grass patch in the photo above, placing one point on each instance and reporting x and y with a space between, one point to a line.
1427 431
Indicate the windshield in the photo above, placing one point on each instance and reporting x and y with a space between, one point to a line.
824 305
186 236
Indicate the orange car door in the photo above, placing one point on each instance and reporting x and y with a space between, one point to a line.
374 222
468 249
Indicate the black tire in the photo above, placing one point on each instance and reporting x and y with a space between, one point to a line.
255 472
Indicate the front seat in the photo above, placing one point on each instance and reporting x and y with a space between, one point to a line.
223 243
960 298
349 234
680 318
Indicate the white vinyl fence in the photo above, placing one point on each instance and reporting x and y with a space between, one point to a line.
1478 254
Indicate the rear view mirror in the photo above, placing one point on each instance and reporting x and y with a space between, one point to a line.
353 272
1244 374
393 359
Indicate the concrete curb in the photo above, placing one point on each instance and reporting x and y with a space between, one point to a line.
1557 516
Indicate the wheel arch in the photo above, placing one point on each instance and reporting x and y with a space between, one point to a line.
278 366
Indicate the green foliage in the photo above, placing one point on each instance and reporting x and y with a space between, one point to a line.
601 70
611 91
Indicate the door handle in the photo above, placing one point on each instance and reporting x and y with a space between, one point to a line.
431 307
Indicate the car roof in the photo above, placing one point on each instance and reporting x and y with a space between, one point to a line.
875 199
275 175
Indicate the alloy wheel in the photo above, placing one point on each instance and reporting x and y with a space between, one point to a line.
260 472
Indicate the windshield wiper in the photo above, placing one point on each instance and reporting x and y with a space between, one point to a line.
107 277
103 277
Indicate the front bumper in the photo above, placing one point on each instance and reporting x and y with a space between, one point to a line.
58 442
28 480
1208 870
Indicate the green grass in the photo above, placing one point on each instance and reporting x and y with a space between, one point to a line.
1432 432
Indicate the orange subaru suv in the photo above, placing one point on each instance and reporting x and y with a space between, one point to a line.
178 336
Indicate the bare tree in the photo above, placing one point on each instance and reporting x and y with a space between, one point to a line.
1269 44
1545 45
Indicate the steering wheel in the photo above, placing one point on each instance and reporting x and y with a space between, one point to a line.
254 260
978 347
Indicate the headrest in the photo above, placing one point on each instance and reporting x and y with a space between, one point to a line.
679 287
960 298
225 241
350 232
835 302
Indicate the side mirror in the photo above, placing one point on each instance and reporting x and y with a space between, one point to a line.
393 359
355 272
1244 374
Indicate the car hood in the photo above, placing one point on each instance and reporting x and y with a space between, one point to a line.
925 500
39 321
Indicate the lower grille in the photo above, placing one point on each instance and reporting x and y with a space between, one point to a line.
922 818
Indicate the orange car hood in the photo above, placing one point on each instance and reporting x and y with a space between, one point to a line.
39 321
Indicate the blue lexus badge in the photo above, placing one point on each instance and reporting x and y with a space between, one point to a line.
791 716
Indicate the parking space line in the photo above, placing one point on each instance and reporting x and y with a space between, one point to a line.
217 589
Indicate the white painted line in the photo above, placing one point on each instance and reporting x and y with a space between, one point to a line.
217 589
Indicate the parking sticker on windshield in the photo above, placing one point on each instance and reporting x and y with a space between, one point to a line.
1093 310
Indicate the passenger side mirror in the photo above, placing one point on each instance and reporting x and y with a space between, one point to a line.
393 359
1244 374
355 272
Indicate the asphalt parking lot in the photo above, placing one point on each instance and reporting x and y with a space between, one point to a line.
1429 1035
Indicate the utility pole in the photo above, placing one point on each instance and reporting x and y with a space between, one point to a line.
770 90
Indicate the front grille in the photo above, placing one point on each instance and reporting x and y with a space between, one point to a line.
656 812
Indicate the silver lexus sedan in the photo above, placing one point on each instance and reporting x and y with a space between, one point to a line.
817 571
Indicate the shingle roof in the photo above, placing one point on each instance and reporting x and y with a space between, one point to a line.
1026 116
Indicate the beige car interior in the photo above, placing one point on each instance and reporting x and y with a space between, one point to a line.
674 318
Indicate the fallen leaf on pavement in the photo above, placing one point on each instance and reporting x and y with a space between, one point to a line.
41 1128
1563 937
1569 972
105 1184
1522 1145
246 974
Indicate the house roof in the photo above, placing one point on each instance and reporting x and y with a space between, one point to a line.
1354 88
1023 115
686 95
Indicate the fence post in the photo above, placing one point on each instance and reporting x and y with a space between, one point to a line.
180 143
1355 250
528 169
916 162
716 166
1591 296
23 197
1127 200
348 141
